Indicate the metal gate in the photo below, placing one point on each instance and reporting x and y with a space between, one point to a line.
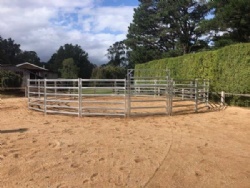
148 93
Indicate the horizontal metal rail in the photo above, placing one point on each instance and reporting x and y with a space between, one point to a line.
37 109
101 114
104 102
102 95
62 101
100 108
143 107
156 100
57 106
61 112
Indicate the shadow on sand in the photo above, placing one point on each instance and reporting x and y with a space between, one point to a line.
21 130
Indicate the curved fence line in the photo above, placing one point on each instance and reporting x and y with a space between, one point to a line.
116 97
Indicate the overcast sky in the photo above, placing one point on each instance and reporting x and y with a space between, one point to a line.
45 25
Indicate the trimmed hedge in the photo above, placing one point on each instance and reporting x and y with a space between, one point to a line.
228 68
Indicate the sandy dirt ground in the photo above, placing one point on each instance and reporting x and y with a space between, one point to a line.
209 149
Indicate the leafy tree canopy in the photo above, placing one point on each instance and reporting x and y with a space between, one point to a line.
109 72
165 28
231 22
69 69
79 56
10 79
118 54
10 53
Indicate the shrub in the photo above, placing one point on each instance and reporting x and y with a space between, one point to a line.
9 79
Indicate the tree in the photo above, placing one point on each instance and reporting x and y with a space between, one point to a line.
79 56
69 69
9 79
29 56
109 72
118 54
165 29
9 51
231 22
142 33
180 23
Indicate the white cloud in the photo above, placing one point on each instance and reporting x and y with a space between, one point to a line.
115 19
44 26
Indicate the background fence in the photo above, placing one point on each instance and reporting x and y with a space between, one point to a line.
186 91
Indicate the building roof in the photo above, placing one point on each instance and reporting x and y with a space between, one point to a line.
30 66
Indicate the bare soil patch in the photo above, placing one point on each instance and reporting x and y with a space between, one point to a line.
193 150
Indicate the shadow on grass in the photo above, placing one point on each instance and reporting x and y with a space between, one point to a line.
21 130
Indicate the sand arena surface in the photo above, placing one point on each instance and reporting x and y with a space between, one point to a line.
196 150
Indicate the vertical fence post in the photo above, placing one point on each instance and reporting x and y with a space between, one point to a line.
155 87
204 91
222 98
28 92
80 97
196 95
55 90
182 93
167 93
129 95
191 89
125 97
171 96
39 88
173 88
45 96
207 94
115 86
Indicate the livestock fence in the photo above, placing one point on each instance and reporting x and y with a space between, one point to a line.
141 93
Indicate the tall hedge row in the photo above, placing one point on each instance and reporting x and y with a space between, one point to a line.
228 68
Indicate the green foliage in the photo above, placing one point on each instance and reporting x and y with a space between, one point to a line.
69 69
228 68
118 54
79 56
165 29
29 56
9 51
108 72
232 18
9 79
